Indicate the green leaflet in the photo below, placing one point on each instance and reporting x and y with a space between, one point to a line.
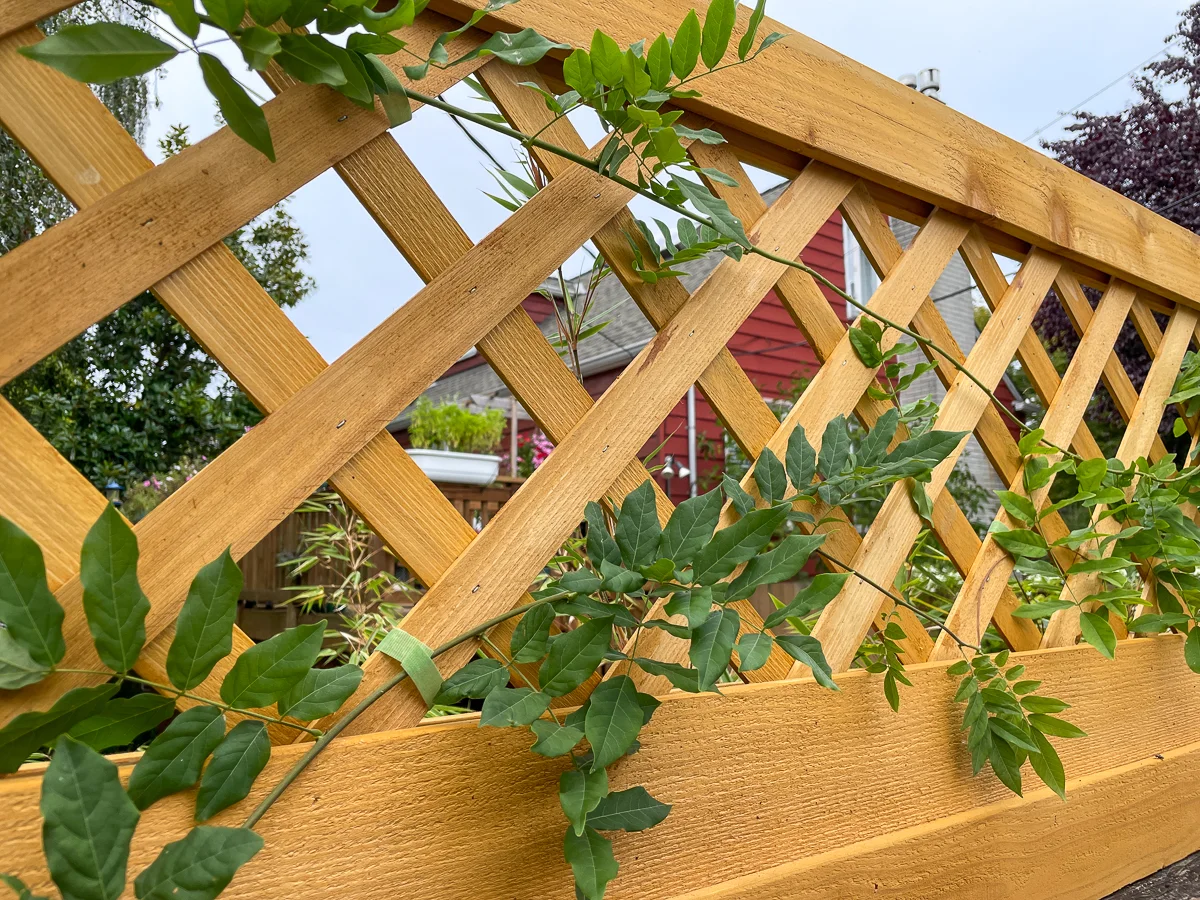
577 72
801 459
741 500
718 27
658 62
629 810
226 13
1096 631
592 862
19 887
17 668
476 679
304 58
579 793
732 546
835 448
1191 650
712 645
173 760
694 605
204 629
100 53
554 739
807 649
775 565
1047 765
198 867
746 44
715 208
607 63
89 822
32 614
505 707
1018 506
637 532
1022 543
258 46
690 527
31 730
123 719
235 764
112 598
521 49
614 718
600 544
264 12
770 477
685 50
240 112
574 656
267 671
753 650
531 637
321 692
680 676
874 446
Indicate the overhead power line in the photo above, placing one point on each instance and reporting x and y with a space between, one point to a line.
1078 106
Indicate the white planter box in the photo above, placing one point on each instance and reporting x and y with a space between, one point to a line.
456 468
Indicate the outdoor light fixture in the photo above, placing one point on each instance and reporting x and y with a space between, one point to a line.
670 471
113 492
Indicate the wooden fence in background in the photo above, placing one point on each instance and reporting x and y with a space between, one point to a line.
780 789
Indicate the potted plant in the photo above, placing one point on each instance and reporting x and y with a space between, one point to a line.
452 444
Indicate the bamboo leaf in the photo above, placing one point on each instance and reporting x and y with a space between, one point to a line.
267 671
89 822
235 764
31 613
100 53
123 719
198 867
174 759
204 629
112 598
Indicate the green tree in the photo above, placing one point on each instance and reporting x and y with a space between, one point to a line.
135 394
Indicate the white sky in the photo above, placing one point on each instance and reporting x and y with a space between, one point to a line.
1013 65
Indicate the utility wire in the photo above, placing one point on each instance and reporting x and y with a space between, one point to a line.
1111 84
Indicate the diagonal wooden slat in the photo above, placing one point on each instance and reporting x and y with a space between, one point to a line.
844 622
1063 628
345 408
505 557
988 575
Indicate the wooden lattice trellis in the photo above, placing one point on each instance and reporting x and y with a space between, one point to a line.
779 790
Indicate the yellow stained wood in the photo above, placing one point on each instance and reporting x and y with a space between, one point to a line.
845 620
1063 628
1087 847
988 575
842 767
517 542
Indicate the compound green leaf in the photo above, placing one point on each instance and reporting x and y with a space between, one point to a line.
123 719
27 607
267 671
31 730
235 764
112 598
204 629
715 208
174 759
199 866
89 822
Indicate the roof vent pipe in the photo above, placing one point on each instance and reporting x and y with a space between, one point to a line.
929 83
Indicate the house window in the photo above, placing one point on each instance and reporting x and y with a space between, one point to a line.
861 279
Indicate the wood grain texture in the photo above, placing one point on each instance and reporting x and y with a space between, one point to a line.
805 97
845 621
486 578
125 241
988 575
480 798
1063 628
1086 848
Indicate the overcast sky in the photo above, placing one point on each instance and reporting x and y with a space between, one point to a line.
1013 65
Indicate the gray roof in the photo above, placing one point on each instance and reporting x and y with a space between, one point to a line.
619 342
